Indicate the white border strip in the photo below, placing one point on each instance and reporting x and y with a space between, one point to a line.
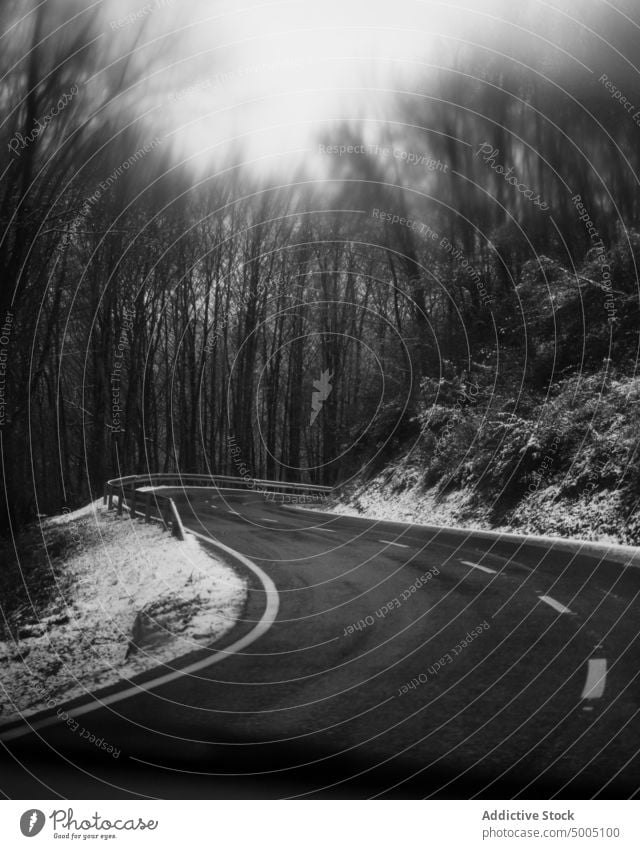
624 554
262 626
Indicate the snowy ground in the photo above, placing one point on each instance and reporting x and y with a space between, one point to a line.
127 597
378 501
598 518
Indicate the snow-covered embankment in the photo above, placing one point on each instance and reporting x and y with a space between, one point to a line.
127 597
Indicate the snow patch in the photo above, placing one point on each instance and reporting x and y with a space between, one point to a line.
596 518
129 597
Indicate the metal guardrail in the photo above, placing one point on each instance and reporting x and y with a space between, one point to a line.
123 493
218 481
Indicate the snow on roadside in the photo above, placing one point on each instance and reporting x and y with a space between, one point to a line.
598 518
129 598
377 500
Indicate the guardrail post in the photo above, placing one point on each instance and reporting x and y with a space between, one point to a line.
104 494
110 501
133 500
147 507
121 501
177 529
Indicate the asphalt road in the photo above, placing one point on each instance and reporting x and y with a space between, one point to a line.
402 663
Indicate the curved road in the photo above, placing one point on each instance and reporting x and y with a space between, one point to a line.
402 663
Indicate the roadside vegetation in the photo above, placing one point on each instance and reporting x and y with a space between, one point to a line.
569 466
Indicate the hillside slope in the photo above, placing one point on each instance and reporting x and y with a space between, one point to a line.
569 468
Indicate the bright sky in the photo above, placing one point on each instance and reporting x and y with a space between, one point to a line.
265 77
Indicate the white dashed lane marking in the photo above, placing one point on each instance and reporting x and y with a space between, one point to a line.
596 679
264 519
397 544
478 566
326 530
235 512
553 603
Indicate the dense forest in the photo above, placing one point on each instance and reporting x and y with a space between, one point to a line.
448 278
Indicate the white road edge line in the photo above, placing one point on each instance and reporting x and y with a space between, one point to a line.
397 544
262 626
553 603
478 566
596 679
